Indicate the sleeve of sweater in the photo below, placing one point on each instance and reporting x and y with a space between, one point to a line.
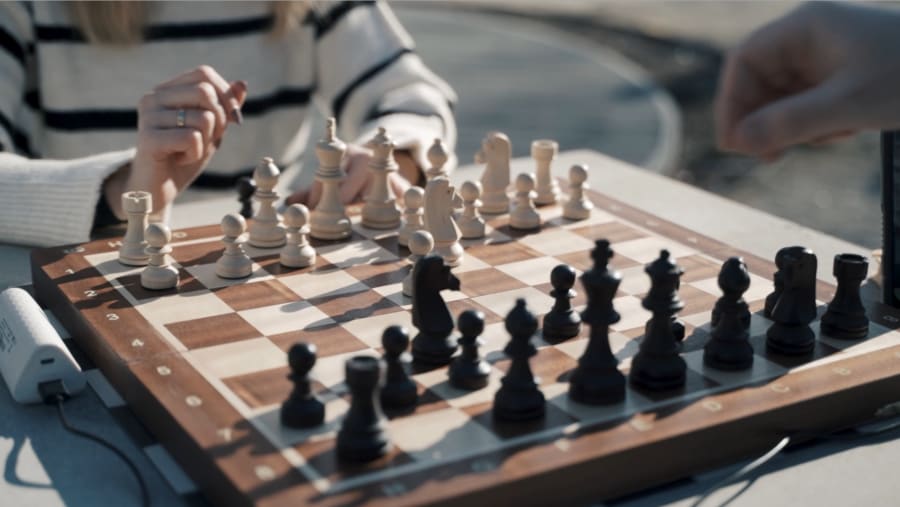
42 202
369 76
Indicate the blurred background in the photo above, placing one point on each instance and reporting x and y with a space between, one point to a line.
635 80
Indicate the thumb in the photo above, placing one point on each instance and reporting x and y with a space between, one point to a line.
812 114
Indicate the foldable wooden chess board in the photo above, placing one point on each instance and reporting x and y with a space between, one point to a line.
204 367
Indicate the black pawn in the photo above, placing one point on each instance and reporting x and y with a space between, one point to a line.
846 318
796 306
246 187
302 409
561 322
597 379
399 391
729 347
519 398
363 435
657 365
469 370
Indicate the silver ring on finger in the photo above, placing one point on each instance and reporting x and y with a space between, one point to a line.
180 117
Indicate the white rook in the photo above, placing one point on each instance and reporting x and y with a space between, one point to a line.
138 206
543 151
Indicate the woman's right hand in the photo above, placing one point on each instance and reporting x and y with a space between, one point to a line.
170 155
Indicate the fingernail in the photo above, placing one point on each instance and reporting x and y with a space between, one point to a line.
218 143
236 114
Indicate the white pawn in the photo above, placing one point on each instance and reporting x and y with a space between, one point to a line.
159 273
437 157
266 230
234 262
420 244
138 206
413 215
470 223
524 215
543 151
578 207
297 252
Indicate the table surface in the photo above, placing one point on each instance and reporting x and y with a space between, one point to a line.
43 465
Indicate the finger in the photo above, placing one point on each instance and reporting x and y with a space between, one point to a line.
355 182
184 143
399 185
298 197
201 120
200 96
315 193
833 138
224 91
239 89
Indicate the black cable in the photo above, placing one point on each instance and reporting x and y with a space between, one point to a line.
145 495
746 469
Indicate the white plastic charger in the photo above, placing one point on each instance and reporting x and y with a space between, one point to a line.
31 351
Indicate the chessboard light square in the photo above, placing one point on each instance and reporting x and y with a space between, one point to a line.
317 284
354 253
879 337
598 216
618 343
634 281
107 263
646 250
470 263
761 370
206 274
330 370
239 358
501 303
394 293
438 382
369 329
277 319
182 306
633 314
558 241
441 435
531 272
282 436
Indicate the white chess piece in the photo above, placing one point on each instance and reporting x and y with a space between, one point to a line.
578 207
297 252
524 215
437 157
234 262
159 273
496 152
470 223
138 206
266 230
420 244
441 200
543 151
380 210
329 219
413 215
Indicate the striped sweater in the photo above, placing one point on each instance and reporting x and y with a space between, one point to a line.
68 108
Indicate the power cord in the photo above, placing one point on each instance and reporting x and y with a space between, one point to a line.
54 393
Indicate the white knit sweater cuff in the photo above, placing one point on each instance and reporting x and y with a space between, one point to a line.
52 202
410 132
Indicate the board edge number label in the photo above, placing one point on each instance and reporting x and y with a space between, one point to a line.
137 343
114 244
74 249
225 433
264 472
70 271
844 372
779 388
393 488
712 405
91 293
641 424
193 400
112 316
179 234
164 371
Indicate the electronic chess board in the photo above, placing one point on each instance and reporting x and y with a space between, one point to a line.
204 366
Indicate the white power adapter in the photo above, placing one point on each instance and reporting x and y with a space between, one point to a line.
31 351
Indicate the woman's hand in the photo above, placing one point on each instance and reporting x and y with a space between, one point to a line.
180 124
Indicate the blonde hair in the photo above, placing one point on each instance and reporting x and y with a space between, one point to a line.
122 23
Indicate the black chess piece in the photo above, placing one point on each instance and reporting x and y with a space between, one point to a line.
519 398
302 409
246 187
777 279
597 379
846 318
432 346
363 435
729 346
796 306
658 365
399 391
561 322
469 370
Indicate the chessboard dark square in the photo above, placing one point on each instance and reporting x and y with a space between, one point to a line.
377 274
481 282
428 402
694 382
390 243
195 254
272 264
614 232
356 305
549 365
554 417
256 295
695 300
820 350
215 330
186 283
579 299
322 456
267 387
512 232
330 340
461 305
582 260
697 267
354 237
496 254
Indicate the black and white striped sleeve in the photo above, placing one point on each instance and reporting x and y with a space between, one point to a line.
16 50
369 76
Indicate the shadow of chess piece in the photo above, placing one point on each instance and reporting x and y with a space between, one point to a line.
363 435
469 370
432 345
399 391
519 398
561 322
302 409
246 187
597 379
846 318
796 306
729 346
657 365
